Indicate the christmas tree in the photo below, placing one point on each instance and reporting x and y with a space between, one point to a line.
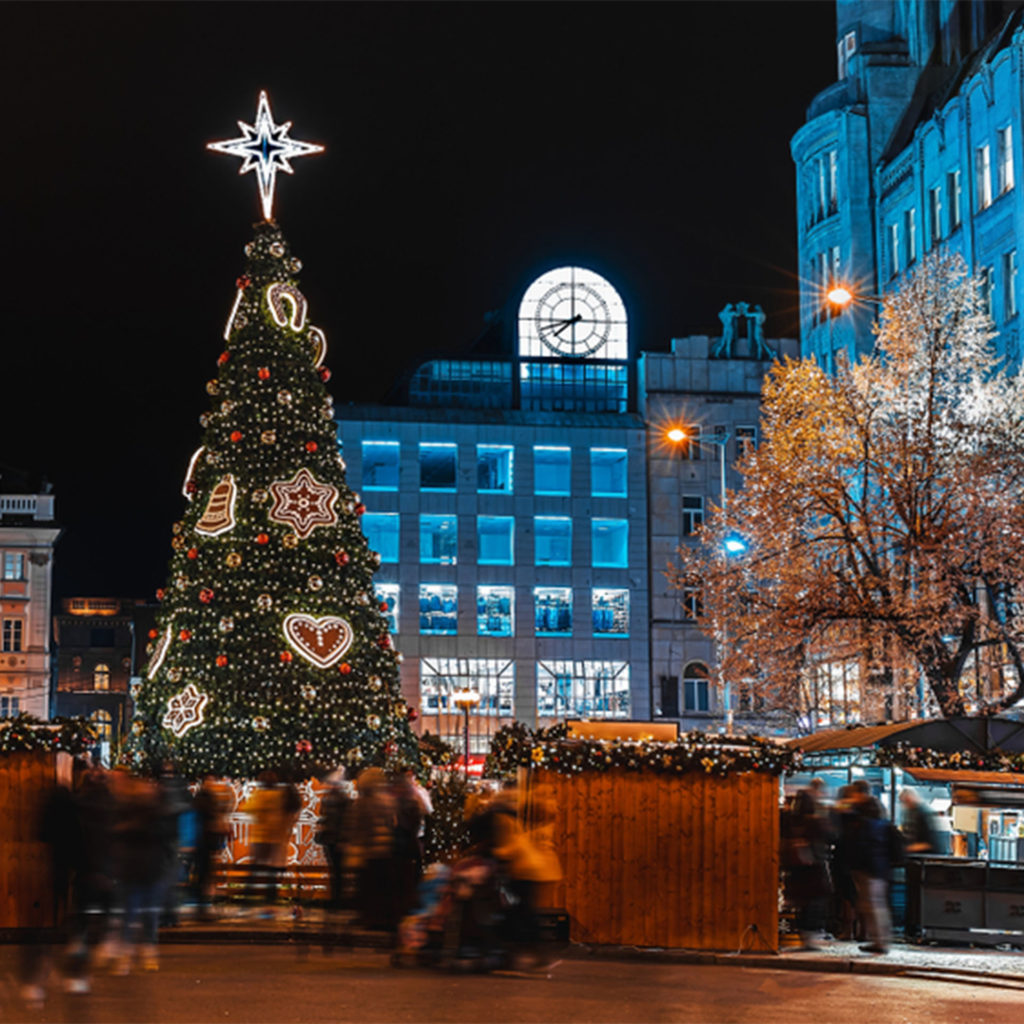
270 649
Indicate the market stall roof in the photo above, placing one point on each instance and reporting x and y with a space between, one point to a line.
966 778
980 735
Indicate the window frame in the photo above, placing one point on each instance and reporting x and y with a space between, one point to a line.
599 451
508 521
501 591
558 592
12 635
366 445
442 522
447 446
567 475
597 523
983 176
504 449
391 518
565 535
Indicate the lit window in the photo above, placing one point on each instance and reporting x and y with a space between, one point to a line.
12 629
495 607
494 468
833 181
102 724
845 49
1005 158
493 678
693 514
693 603
382 531
583 689
552 611
983 176
608 472
610 612
953 195
551 470
9 707
987 292
101 677
438 540
935 214
910 230
695 687
495 539
14 566
552 540
746 441
610 543
894 249
387 598
1010 284
439 609
380 466
437 467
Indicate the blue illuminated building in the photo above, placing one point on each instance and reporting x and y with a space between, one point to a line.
916 145
525 509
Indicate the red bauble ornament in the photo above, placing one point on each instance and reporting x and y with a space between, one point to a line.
161 593
384 641
192 553
206 595
303 746
243 282
263 373
262 538
341 557
383 606
223 358
286 656
185 634
190 487
154 633
311 446
222 660
325 374
390 748
236 436
344 668
360 509
413 714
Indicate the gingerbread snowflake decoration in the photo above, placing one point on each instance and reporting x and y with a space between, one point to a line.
185 710
303 503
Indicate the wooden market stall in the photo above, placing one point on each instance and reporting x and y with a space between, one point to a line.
654 858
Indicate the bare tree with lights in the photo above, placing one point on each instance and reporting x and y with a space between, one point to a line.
883 515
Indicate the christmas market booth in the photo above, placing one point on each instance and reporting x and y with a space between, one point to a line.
662 842
968 774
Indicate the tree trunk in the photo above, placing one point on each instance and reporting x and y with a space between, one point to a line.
946 693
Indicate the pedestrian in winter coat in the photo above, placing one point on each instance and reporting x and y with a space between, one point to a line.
871 868
805 846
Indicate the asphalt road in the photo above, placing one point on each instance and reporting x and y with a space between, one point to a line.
269 984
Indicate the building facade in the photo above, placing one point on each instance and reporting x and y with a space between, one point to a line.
916 145
28 534
93 637
510 501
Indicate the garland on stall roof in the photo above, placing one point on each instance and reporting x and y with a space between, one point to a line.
27 733
517 746
903 755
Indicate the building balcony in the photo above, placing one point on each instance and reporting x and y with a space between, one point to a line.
38 507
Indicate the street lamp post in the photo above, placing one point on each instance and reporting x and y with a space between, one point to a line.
465 701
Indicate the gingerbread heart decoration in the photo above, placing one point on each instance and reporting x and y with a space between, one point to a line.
322 642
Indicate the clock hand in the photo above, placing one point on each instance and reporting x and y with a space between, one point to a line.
565 323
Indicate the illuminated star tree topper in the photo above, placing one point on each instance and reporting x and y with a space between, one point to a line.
265 148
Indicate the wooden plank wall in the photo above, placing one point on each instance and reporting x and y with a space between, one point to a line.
687 861
26 891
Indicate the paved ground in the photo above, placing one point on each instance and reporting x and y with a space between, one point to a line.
265 984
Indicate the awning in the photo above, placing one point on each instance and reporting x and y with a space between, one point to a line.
967 778
976 735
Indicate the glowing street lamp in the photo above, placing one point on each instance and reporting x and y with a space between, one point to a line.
465 701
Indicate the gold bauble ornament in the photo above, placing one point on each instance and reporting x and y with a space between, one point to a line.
290 540
264 602
233 560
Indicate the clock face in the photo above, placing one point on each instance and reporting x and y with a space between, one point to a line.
572 312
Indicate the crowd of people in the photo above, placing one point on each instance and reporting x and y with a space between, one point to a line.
838 861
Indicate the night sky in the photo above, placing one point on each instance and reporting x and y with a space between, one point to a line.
469 148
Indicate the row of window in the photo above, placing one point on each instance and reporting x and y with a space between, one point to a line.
496 607
565 689
13 565
495 468
495 539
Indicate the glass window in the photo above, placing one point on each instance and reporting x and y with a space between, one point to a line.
1010 284
695 687
693 514
552 611
101 677
9 707
894 249
14 565
691 447
583 689
437 467
608 472
610 543
494 468
935 214
102 724
693 603
438 540
1005 158
987 289
552 470
746 441
380 466
439 609
552 540
493 678
833 181
495 538
610 612
387 598
953 192
983 176
495 610
12 629
910 230
668 696
382 530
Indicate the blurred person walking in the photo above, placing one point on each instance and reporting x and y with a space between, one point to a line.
269 830
918 825
332 833
805 847
871 866
212 805
370 855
